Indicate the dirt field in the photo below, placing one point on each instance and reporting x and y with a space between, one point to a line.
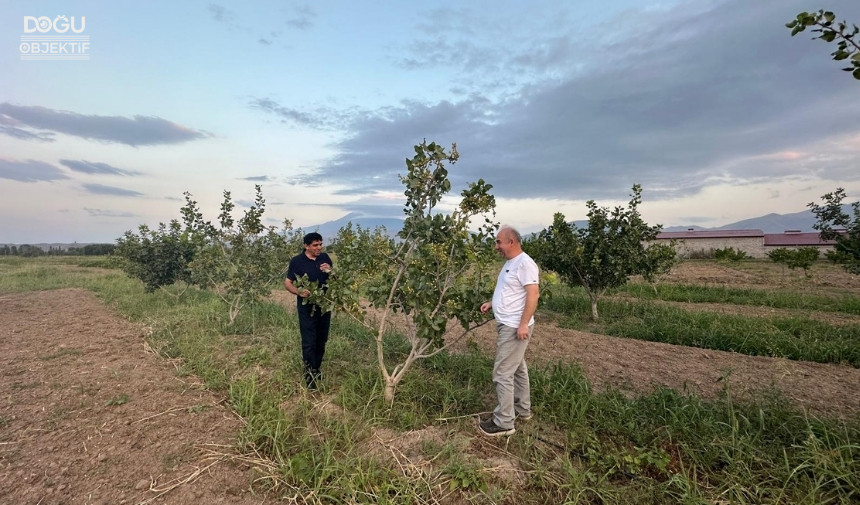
90 415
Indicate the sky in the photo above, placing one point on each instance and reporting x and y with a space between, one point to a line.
710 105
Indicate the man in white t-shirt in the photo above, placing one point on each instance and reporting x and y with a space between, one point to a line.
514 303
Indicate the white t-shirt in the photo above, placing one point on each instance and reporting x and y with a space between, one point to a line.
509 298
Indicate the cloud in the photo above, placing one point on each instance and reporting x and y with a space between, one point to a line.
672 99
22 134
256 178
303 18
29 171
493 53
221 14
109 213
320 118
101 189
134 131
89 167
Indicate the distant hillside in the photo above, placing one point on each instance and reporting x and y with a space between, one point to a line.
776 223
770 223
329 229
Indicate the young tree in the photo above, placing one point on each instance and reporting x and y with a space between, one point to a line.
803 257
730 254
602 256
829 31
434 277
833 223
240 260
659 261
158 257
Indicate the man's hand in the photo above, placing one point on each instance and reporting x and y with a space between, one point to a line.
486 306
523 331
295 290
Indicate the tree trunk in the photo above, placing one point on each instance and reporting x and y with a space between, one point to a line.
389 391
594 309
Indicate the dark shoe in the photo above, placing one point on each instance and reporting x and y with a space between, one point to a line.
311 382
491 429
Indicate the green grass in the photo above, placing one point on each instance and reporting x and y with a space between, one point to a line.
780 299
52 272
582 447
797 337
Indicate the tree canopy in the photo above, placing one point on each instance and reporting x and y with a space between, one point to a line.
613 247
834 223
430 282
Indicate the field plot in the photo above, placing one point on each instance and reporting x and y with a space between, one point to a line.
92 415
133 398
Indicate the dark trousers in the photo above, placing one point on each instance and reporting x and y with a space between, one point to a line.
314 326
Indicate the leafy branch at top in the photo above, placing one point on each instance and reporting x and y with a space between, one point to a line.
829 30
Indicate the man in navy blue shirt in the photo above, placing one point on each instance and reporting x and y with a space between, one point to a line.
313 322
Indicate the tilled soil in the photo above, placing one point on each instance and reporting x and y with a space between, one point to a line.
91 416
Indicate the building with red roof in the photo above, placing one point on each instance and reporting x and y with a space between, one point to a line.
755 243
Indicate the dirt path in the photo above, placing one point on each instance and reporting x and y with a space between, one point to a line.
90 417
639 367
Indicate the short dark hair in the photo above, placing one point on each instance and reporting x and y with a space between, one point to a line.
312 237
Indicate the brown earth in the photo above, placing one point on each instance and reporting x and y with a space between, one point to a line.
92 416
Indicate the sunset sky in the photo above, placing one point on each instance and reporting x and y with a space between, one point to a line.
710 105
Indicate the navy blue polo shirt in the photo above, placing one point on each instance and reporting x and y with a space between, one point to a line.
302 265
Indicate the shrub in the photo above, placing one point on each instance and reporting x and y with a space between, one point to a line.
802 257
730 254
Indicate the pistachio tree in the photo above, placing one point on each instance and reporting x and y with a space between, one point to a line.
834 223
158 257
162 256
802 257
429 283
241 259
606 253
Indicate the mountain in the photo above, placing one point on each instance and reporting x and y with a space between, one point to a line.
329 229
770 223
776 223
